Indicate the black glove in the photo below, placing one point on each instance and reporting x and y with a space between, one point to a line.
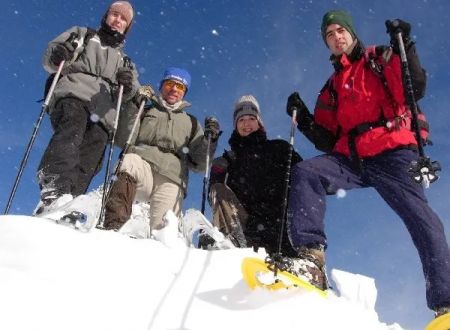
124 77
212 128
295 101
393 28
63 52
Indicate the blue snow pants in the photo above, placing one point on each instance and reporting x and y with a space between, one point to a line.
315 178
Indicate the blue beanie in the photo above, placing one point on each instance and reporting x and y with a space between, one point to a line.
178 74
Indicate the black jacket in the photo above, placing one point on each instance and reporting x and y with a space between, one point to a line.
255 170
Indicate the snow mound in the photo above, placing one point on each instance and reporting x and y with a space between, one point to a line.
54 277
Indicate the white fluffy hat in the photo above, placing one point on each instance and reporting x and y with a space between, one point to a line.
247 105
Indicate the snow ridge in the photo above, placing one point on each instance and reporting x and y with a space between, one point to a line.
55 277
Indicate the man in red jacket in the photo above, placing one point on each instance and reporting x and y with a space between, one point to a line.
362 123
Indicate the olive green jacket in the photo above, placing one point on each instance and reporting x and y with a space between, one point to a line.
170 141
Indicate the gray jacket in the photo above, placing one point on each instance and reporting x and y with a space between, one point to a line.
165 140
91 75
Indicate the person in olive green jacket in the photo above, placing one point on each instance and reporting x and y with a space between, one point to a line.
168 143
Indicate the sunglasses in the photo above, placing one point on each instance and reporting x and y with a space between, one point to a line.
169 84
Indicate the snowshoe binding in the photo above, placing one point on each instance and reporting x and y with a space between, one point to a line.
74 219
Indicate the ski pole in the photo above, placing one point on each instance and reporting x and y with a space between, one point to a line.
142 91
287 178
37 125
111 149
206 177
277 262
423 171
110 154
120 161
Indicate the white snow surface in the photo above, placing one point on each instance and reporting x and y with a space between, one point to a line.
53 277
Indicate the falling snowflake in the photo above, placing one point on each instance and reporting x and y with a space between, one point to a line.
95 118
341 193
214 32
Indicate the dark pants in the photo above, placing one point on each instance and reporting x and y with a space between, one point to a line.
75 151
313 179
232 219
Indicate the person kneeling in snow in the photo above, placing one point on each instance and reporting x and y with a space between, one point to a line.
168 143
247 183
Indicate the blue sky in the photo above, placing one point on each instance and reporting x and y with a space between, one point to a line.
267 48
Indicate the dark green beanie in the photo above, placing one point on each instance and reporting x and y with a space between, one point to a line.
337 17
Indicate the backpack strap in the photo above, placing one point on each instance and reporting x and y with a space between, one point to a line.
89 34
375 59
194 126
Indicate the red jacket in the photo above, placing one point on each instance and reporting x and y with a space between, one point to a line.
356 98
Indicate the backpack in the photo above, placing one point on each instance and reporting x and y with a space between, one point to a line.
372 57
48 83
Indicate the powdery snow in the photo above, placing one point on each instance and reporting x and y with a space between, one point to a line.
53 277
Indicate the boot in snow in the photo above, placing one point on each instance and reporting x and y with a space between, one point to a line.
51 202
441 311
228 214
310 266
120 201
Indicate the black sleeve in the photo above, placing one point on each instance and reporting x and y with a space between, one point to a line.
323 139
418 74
296 157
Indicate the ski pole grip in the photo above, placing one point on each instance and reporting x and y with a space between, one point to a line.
395 23
53 85
294 114
293 126
401 47
127 62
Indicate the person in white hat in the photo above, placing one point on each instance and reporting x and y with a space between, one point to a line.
247 183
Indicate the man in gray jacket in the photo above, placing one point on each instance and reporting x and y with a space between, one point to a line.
83 106
168 143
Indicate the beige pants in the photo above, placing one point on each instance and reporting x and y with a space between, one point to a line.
161 193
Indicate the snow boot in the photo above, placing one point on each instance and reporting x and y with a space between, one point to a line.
228 214
120 201
51 202
75 219
441 311
310 266
205 241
